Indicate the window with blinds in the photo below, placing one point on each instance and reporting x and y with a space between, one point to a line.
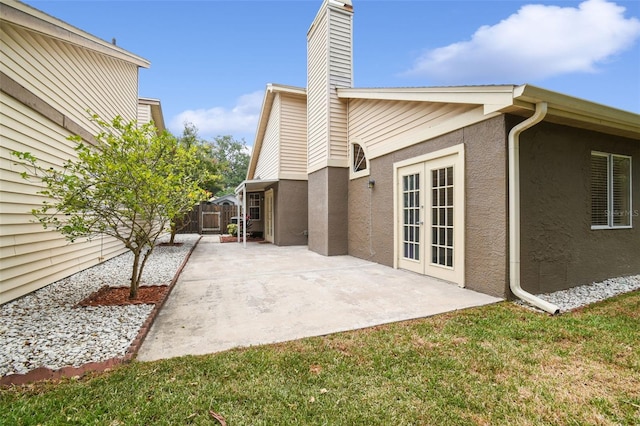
610 191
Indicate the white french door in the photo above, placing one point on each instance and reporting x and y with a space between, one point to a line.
430 218
412 216
268 223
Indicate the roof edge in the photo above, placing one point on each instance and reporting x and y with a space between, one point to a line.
265 111
32 19
513 99
573 107
156 112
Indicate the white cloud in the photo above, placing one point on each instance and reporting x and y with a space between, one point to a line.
537 42
239 121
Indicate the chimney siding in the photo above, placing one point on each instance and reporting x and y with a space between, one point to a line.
329 66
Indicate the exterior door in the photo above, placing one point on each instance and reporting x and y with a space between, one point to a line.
268 223
430 214
412 215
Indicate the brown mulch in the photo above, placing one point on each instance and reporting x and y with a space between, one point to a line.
169 244
110 296
230 239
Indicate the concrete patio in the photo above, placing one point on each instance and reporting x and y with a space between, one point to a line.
229 296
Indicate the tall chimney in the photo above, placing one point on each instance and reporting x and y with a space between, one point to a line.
329 66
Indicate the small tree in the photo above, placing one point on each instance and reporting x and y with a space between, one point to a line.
233 158
128 186
200 167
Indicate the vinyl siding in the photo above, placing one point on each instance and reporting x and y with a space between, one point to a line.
32 257
69 78
317 95
386 126
293 136
144 114
269 158
330 66
340 76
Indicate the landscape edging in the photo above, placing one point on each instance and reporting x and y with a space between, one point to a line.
44 373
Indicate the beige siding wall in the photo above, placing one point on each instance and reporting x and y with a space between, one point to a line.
329 67
386 126
32 257
69 78
267 166
317 94
293 138
340 76
144 113
64 80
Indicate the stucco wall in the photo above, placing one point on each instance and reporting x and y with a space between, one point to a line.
558 248
290 211
328 191
371 211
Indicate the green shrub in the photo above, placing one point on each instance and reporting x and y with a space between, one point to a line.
232 229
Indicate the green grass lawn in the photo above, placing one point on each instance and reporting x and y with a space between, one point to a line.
499 364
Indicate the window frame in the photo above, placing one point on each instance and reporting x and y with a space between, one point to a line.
251 198
354 174
611 193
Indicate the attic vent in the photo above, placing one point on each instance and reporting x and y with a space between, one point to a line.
359 158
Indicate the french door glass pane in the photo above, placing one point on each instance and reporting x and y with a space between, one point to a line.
411 216
442 216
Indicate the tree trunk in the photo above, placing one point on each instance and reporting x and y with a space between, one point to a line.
174 231
138 267
135 275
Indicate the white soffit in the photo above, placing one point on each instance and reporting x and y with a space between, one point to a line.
519 100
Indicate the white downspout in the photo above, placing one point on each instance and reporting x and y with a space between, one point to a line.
514 211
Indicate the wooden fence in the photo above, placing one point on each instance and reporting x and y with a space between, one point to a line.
207 218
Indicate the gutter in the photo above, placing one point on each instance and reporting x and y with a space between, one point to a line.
514 211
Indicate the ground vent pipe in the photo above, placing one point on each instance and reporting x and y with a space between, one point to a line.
514 211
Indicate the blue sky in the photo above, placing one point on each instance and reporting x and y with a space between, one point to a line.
211 60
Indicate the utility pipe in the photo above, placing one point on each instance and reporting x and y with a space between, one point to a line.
514 211
244 216
238 216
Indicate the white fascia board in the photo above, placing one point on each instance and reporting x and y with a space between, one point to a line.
474 95
254 185
22 15
291 90
594 115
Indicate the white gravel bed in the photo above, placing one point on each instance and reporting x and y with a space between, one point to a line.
577 297
45 329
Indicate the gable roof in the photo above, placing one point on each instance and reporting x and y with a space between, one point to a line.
518 100
228 198
156 112
32 19
265 112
